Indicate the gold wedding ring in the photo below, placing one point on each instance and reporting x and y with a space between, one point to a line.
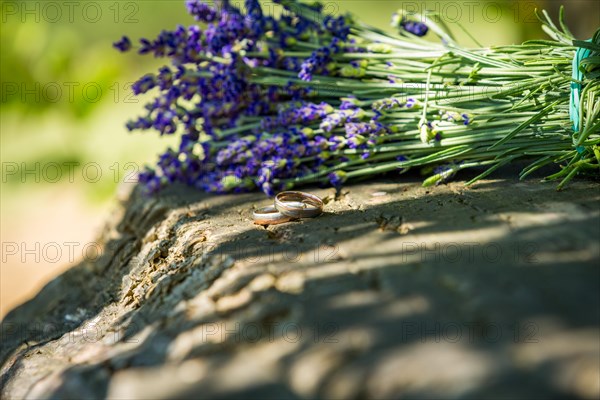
269 215
298 204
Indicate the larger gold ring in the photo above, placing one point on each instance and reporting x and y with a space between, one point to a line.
298 204
269 216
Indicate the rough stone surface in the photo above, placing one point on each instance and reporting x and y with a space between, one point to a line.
396 291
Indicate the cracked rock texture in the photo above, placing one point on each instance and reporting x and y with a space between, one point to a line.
395 291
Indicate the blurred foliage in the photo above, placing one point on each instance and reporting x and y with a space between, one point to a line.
50 54
43 70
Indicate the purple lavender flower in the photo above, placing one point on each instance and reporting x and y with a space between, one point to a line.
139 124
340 117
338 27
297 113
165 121
152 183
336 143
348 103
452 116
201 12
123 45
337 178
408 22
230 28
443 173
415 27
318 60
208 90
387 104
401 159
144 84
254 17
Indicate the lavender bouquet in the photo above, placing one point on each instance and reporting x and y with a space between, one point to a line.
273 102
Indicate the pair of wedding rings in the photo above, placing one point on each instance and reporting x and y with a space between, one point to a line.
289 206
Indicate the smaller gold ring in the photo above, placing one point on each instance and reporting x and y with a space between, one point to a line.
298 204
269 215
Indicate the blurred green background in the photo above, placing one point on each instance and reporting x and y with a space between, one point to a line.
65 100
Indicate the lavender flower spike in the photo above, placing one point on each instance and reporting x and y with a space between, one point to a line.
123 45
408 22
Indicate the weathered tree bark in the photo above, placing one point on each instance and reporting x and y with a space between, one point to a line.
440 292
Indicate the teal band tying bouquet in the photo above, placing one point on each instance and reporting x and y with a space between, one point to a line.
275 102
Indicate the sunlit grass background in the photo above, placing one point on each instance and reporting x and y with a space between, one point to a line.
65 100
